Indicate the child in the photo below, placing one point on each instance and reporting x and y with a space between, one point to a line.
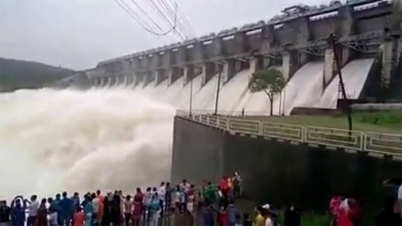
79 217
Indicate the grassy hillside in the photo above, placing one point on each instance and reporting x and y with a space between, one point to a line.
17 74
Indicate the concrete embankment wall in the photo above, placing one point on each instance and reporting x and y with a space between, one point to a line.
279 172
197 152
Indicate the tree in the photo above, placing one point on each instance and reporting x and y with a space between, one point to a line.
269 81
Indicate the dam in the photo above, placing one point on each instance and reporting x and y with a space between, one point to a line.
295 42
187 75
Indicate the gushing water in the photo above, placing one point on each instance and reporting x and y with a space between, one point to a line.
55 140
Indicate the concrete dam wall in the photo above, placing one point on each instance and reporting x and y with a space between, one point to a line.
278 172
294 42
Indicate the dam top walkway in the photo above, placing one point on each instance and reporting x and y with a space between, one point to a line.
387 145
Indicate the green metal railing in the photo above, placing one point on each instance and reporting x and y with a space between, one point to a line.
371 142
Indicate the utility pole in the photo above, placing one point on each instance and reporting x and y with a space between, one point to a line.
332 41
218 89
191 93
284 101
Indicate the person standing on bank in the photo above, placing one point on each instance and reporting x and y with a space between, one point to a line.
168 197
18 211
292 217
33 208
128 209
42 213
5 214
161 194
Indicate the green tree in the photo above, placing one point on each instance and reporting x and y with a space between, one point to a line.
269 81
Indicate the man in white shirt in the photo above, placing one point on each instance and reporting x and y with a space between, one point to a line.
268 220
33 211
161 194
185 185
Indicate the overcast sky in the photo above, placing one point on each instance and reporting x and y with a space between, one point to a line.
78 34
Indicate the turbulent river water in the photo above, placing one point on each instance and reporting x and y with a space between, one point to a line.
56 140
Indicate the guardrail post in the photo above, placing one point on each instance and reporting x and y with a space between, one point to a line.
228 125
260 128
207 119
363 142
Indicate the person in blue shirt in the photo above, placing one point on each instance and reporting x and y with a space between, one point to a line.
154 209
208 215
76 201
88 211
18 211
56 202
66 207
232 212
56 207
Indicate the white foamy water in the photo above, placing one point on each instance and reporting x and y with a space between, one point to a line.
354 77
55 140
304 88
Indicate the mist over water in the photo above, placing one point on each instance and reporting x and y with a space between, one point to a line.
56 140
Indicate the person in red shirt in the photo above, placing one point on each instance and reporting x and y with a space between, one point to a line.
343 218
222 217
224 187
79 217
355 212
100 196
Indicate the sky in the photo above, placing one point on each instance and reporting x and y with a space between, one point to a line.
78 34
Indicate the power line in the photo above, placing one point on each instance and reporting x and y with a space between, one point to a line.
138 6
182 15
166 6
169 11
162 15
133 15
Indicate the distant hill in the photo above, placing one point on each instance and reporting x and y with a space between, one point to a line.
17 74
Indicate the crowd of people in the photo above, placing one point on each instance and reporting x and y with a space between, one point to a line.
211 204
214 204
